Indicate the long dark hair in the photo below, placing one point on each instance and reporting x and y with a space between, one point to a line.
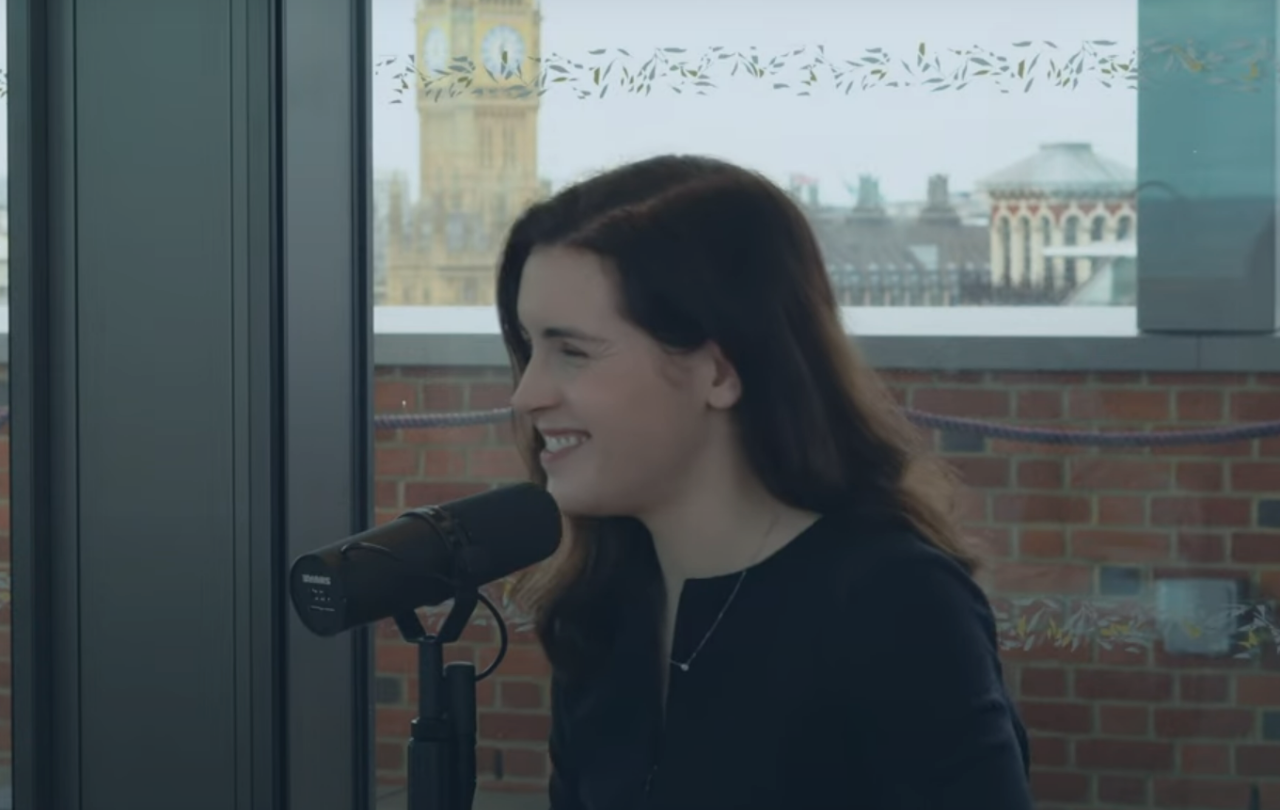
708 251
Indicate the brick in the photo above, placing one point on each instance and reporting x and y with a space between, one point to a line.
1124 755
1200 476
397 461
1258 548
521 695
1255 406
386 495
993 542
979 471
1118 405
1107 684
1199 406
1197 547
1211 512
1042 543
485 396
1038 508
389 756
1269 584
524 763
523 661
1105 473
1258 760
1203 688
476 633
462 435
1206 794
393 396
975 403
1120 546
1216 723
1124 655
1057 717
1166 660
448 397
1129 790
1044 682
1039 405
1224 450
417 493
394 720
971 505
1122 510
1255 476
1205 759
1047 751
486 694
1040 473
1269 447
1059 786
1042 579
514 726
496 464
1269 793
1124 721
1258 690
443 463
1044 651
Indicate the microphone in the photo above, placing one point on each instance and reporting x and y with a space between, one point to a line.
424 557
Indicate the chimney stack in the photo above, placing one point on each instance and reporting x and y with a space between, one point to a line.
938 208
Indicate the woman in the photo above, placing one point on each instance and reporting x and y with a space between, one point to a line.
764 602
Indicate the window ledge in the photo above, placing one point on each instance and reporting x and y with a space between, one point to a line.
924 338
941 339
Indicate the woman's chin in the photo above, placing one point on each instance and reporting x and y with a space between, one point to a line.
575 500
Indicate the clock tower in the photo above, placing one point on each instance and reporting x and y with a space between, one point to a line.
478 127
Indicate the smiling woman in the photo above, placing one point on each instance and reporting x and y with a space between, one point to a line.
687 394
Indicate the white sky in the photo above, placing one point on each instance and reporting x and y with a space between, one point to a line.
901 135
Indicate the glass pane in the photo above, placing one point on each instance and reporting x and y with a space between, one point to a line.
6 669
991 150
947 155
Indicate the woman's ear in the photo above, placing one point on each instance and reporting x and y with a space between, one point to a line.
725 388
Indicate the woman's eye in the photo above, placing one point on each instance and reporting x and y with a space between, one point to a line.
572 351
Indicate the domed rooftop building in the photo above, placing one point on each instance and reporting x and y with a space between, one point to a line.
1065 195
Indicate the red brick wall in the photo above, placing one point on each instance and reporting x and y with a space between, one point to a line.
1117 722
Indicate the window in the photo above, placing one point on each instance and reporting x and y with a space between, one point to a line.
1036 220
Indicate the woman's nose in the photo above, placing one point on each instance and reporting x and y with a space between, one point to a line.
533 392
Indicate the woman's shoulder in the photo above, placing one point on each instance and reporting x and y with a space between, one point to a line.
892 563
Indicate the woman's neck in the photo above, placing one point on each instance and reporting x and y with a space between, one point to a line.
717 531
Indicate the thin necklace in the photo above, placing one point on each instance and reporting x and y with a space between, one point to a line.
684 665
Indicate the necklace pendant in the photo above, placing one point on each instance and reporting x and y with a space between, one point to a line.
683 667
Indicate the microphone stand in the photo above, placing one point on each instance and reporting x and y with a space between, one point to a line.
442 745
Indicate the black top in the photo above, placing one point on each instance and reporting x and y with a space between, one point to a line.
855 668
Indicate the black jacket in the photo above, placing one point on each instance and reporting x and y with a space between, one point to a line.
855 668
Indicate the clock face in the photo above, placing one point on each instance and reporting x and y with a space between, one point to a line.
503 51
435 51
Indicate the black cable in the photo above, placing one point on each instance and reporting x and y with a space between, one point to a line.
503 637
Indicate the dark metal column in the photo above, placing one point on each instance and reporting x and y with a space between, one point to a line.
190 390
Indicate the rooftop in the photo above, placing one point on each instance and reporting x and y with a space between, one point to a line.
1063 169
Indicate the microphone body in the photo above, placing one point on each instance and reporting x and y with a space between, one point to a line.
423 557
